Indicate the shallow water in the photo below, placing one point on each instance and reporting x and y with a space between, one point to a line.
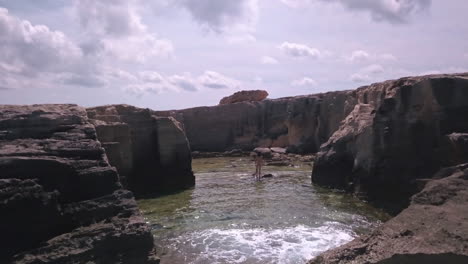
230 218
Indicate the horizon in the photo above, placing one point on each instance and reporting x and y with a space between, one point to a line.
175 54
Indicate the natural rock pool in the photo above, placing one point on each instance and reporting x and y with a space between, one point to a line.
230 218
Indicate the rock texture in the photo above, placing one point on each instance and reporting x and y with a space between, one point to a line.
151 153
60 200
433 229
300 123
398 132
245 96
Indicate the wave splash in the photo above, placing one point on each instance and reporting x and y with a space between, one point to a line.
260 245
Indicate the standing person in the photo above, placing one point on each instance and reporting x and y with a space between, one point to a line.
258 166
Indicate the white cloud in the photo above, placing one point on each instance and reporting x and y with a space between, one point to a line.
185 82
444 71
393 11
30 52
155 82
221 16
151 77
373 69
295 3
268 60
117 28
367 74
299 50
359 56
306 81
359 77
387 57
214 80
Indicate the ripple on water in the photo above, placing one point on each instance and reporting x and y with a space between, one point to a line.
230 218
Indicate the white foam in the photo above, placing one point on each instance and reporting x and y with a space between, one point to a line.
289 245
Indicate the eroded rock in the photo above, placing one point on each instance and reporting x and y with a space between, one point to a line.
151 153
60 200
245 96
433 229
400 131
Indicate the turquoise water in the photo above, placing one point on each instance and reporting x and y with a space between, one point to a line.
230 218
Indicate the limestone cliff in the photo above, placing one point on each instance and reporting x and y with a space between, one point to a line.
60 200
399 131
151 153
299 123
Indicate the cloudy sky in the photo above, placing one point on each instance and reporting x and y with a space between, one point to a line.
171 54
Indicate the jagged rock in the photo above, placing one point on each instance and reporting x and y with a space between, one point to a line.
60 200
152 153
433 229
245 96
396 134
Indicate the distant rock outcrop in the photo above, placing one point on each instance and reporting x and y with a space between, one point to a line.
399 131
245 96
60 200
300 124
152 153
433 229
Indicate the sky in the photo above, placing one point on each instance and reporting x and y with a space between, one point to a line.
175 54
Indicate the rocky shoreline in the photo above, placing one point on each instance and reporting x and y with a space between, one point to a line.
69 174
61 199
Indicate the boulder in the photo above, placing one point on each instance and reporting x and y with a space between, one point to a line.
245 96
433 229
60 200
151 153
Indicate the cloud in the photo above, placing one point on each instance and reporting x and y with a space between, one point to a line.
359 56
295 3
444 71
299 50
27 47
306 81
367 74
116 28
220 16
393 11
155 82
151 77
214 80
185 82
268 60
30 53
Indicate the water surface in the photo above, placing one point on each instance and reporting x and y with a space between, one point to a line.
230 218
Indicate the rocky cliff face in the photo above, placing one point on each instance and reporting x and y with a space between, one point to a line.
433 229
152 153
300 123
61 201
398 132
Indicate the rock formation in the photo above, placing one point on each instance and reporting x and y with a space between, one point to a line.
245 96
300 123
60 200
433 229
398 132
152 153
